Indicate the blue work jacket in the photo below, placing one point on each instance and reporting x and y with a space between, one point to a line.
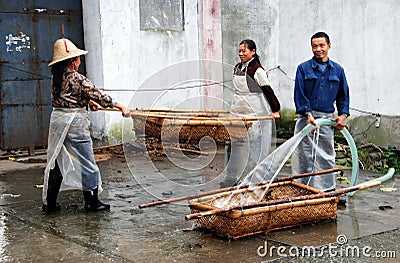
316 90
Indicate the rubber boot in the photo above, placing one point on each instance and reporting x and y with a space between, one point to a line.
92 203
53 187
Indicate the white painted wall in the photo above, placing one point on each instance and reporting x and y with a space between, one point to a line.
258 21
129 56
364 35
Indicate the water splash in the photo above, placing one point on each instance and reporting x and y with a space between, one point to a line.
292 145
268 168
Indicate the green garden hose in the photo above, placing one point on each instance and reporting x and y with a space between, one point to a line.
353 149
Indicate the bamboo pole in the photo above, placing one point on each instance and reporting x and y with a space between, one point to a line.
185 150
205 122
179 110
289 201
166 113
168 116
107 146
216 118
223 118
109 109
203 116
273 208
287 178
236 191
198 116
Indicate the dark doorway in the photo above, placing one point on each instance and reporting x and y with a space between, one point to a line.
28 30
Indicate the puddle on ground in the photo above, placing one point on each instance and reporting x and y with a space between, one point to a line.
160 233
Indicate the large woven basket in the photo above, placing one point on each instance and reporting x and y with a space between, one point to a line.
191 128
262 219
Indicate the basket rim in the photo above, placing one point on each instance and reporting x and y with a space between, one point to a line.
197 203
220 116
235 213
248 189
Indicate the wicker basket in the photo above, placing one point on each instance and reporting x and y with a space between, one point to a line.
191 128
262 219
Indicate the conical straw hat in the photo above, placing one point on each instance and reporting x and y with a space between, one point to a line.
65 49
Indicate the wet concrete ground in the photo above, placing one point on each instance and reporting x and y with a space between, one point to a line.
369 222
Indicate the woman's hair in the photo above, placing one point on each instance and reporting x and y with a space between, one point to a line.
250 44
57 70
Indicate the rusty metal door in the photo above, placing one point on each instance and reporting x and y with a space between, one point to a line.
28 30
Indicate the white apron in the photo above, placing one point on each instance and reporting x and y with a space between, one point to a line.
70 144
244 156
315 153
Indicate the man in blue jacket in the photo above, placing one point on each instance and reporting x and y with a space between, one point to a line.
320 84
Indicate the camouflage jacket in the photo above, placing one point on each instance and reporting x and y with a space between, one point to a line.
77 90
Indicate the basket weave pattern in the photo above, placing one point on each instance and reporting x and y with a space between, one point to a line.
167 130
277 217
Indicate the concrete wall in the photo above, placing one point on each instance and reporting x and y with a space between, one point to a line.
382 131
363 36
94 64
363 33
123 56
259 22
134 66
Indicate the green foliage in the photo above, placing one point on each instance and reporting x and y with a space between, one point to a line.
378 159
392 160
371 157
339 137
285 125
121 131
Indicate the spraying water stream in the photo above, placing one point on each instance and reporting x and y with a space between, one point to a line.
270 167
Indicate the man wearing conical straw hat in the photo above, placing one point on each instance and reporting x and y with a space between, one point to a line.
70 158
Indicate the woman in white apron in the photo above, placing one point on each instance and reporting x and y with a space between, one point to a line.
253 96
